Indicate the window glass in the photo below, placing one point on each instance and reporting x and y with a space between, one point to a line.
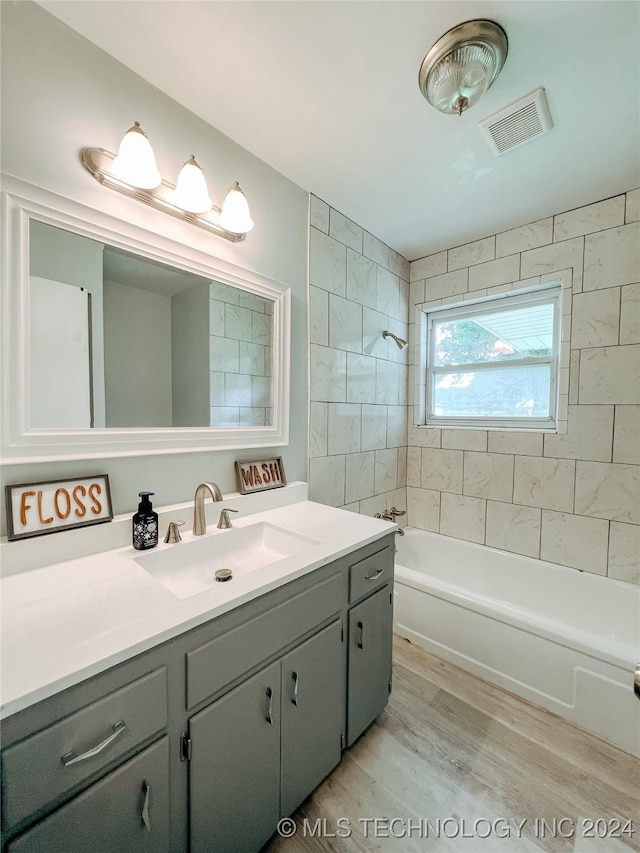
494 362
498 336
518 392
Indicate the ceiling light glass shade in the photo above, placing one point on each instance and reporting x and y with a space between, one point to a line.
136 164
462 65
235 216
191 193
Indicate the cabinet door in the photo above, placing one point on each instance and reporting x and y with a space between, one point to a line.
234 773
312 714
369 665
127 811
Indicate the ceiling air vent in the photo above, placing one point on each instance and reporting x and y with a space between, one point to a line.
518 123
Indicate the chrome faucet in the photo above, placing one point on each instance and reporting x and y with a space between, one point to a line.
199 521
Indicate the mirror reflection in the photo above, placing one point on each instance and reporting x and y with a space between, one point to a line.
120 341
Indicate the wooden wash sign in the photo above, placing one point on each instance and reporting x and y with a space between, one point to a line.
260 474
48 507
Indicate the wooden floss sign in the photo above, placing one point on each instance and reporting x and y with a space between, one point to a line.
34 509
260 474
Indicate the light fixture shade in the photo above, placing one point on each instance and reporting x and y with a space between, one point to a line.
235 216
191 193
462 65
136 164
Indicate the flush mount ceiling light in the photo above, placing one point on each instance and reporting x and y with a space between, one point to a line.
462 65
133 173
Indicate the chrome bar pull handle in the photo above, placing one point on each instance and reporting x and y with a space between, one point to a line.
269 717
70 758
636 681
374 575
296 680
360 642
146 817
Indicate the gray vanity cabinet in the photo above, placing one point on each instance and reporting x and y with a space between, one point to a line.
369 676
127 811
258 751
234 772
202 743
312 714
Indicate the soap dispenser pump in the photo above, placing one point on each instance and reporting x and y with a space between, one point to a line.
145 524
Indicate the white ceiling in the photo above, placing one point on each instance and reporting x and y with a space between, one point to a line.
326 92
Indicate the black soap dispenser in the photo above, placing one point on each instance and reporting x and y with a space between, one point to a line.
145 524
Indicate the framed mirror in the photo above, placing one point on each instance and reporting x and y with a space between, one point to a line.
120 342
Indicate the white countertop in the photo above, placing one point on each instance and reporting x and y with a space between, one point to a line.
65 622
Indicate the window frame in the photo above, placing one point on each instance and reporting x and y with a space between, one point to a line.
550 293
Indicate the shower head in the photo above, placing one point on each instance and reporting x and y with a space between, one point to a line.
399 341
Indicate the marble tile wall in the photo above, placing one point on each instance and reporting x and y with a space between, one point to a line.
239 357
358 287
571 498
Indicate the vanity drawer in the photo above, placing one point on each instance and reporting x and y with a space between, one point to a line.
45 766
223 660
108 816
370 573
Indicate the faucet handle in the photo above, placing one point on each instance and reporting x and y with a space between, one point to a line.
173 534
395 512
224 522
390 515
386 515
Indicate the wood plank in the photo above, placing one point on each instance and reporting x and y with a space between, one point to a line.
470 757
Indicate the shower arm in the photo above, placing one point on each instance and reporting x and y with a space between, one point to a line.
401 343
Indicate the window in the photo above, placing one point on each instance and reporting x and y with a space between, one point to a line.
495 362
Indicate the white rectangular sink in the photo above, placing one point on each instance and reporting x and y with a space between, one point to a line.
188 568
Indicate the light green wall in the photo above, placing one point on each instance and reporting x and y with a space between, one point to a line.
61 93
190 350
137 357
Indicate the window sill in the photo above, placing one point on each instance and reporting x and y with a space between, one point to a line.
551 430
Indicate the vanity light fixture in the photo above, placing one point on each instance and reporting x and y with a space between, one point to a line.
462 65
191 193
136 163
133 173
235 214
401 343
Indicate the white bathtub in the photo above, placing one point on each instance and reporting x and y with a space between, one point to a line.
563 639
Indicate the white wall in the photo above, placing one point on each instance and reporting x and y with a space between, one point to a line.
60 93
59 357
61 256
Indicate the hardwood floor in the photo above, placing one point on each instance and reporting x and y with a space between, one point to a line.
456 764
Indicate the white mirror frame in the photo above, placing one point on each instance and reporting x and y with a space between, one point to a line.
23 202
